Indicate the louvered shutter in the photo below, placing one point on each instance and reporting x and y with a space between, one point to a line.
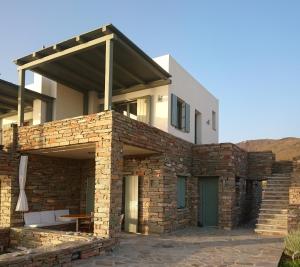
174 119
187 118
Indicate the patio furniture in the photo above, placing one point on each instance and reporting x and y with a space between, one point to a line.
86 225
77 217
46 218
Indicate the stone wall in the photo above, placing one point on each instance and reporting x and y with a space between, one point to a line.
108 132
53 183
229 163
160 173
294 197
4 239
260 164
9 162
51 248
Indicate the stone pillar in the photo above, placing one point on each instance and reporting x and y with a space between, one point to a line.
108 187
9 163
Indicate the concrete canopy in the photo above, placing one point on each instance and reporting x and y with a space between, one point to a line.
80 63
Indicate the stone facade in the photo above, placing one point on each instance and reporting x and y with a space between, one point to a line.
260 164
294 197
4 239
55 183
229 163
50 248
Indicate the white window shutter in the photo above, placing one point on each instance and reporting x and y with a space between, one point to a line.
174 120
144 109
187 117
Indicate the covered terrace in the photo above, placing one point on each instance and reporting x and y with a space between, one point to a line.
104 61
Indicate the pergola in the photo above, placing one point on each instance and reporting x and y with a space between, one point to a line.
9 99
103 60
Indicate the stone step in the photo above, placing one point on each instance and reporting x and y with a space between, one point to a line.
275 182
276 194
272 211
275 206
270 216
261 226
281 189
274 222
271 232
275 197
275 201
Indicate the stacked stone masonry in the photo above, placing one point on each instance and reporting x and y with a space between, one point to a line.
108 132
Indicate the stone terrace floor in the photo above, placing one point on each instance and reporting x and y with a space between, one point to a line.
193 247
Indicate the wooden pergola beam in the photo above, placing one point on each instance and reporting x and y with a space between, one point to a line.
66 52
122 69
108 86
21 90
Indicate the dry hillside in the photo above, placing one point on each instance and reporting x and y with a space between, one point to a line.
284 149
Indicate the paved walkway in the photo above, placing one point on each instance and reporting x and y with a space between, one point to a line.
193 247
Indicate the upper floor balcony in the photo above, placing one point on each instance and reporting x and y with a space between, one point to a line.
88 70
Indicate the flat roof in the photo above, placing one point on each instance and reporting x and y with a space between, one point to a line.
9 97
79 63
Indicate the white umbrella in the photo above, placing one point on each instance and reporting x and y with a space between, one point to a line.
22 204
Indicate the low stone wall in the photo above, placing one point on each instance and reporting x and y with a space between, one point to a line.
294 197
52 248
4 239
34 238
260 164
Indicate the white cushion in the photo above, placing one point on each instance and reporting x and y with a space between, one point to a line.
32 218
47 217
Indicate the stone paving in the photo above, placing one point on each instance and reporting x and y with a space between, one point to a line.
193 247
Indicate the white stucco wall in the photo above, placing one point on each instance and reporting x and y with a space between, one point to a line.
14 119
159 104
192 92
68 103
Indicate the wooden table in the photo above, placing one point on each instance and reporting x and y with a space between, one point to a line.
77 217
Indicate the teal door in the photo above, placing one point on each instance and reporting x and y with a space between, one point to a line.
208 208
90 194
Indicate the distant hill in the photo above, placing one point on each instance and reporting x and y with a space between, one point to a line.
284 149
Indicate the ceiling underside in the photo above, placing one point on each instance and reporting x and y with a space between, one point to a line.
85 69
87 151
9 97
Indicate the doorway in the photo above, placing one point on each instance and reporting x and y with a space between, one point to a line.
208 201
131 210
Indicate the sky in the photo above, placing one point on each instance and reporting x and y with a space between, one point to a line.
247 53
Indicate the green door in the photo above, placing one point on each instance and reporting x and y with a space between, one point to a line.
208 192
90 194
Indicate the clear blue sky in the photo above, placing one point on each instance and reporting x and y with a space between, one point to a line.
247 53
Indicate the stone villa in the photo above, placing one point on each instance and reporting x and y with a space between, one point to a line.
109 130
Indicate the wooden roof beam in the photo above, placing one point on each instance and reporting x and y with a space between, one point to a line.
122 69
67 52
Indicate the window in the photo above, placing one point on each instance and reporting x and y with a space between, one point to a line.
180 114
181 191
128 109
214 120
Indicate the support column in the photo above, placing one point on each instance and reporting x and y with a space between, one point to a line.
93 102
21 97
108 74
108 188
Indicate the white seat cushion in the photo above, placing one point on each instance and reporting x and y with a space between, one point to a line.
32 218
47 217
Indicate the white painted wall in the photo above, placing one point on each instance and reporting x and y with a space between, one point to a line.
159 104
192 92
14 119
68 103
